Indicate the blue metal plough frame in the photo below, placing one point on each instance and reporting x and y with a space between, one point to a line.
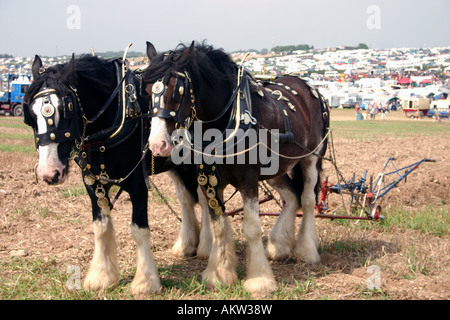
363 195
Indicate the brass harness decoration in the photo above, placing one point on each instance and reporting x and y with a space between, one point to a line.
208 179
99 143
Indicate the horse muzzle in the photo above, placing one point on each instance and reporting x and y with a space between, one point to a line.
161 148
159 141
52 176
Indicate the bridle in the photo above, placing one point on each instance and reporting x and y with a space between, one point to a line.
183 84
73 124
239 103
68 126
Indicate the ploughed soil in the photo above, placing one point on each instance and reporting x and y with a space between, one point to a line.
38 221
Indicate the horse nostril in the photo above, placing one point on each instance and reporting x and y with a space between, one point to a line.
56 175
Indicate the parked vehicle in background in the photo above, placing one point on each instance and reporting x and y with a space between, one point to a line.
442 107
366 102
415 107
11 100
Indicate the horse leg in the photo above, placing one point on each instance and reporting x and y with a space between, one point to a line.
146 279
282 236
205 243
260 280
307 242
104 269
187 241
221 268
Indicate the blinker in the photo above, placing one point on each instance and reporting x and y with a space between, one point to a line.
66 129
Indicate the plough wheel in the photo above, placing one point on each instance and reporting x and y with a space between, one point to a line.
376 213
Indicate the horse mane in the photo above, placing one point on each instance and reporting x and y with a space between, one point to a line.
94 70
50 78
97 72
206 62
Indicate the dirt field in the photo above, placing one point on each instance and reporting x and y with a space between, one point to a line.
38 221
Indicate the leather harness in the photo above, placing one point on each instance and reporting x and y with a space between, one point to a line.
72 127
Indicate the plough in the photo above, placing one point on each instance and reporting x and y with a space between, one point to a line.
364 196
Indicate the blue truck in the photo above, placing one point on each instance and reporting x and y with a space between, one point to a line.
442 107
11 100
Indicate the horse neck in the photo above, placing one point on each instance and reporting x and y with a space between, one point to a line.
93 98
212 101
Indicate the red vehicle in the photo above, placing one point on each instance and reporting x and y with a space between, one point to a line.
415 107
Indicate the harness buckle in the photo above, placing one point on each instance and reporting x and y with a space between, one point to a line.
247 118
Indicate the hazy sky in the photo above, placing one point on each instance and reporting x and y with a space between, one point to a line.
50 27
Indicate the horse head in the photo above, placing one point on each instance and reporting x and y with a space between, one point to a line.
184 87
50 108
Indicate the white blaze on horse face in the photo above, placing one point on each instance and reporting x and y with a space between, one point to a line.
159 140
50 168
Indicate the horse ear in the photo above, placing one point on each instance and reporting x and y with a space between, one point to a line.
68 74
37 65
188 53
151 51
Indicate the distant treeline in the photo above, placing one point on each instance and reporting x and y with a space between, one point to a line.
291 48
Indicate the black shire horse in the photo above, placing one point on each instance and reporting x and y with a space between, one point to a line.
208 105
79 110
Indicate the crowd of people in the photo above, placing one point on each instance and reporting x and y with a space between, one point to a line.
372 110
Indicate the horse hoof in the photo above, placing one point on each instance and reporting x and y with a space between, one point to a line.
217 279
180 251
95 281
276 253
312 256
143 287
203 250
260 287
